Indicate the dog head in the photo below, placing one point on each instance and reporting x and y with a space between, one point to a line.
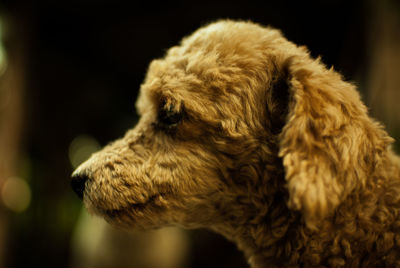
229 118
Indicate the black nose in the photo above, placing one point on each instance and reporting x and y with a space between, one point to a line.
78 183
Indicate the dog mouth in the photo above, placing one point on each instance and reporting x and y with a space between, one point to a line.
135 208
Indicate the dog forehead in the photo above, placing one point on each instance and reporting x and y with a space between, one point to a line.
212 65
213 53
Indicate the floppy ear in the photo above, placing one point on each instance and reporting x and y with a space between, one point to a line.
328 143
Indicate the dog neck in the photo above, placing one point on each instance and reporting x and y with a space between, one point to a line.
261 225
263 238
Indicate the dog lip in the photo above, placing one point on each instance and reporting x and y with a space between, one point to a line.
133 206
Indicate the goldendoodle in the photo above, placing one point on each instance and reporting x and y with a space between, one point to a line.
242 132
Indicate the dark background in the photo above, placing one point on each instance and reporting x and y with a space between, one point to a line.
83 63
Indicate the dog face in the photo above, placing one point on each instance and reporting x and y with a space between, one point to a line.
198 131
233 119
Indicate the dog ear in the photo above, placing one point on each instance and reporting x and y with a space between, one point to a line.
328 144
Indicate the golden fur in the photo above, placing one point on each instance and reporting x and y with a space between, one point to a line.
242 132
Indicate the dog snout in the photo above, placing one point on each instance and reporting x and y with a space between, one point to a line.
78 183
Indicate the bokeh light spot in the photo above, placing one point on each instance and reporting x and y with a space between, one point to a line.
3 57
81 148
16 194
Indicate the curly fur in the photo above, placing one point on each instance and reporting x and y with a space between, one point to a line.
242 132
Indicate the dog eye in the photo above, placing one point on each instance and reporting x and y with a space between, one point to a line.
168 117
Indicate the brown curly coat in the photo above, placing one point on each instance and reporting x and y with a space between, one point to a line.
242 132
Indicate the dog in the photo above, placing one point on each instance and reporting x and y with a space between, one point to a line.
244 133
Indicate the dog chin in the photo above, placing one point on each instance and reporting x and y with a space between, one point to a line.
131 216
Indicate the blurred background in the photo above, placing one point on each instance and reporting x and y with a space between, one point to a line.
69 76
